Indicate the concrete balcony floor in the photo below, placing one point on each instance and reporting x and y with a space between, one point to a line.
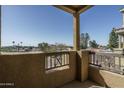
78 84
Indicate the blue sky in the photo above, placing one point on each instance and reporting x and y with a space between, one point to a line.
34 24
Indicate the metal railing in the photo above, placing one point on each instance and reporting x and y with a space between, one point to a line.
55 60
108 61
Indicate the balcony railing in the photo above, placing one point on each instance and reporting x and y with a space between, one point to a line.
38 69
108 61
56 60
119 29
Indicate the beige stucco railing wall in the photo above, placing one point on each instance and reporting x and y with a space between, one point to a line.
28 70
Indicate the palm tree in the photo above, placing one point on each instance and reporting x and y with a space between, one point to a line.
18 47
13 43
21 43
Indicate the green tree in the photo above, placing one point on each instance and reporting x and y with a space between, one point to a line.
113 39
84 40
93 44
44 47
57 47
82 45
60 46
87 38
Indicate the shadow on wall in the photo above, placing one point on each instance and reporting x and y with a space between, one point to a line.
95 75
106 78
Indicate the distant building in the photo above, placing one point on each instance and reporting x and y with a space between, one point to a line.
120 32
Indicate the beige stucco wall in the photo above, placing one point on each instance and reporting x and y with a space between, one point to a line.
27 70
106 78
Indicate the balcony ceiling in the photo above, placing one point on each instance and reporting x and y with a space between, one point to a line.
74 8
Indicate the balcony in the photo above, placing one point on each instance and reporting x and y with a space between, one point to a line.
120 30
80 69
40 70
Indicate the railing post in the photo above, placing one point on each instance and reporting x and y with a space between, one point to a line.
119 41
82 65
123 51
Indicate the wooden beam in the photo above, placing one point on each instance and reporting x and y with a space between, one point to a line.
66 8
76 37
83 9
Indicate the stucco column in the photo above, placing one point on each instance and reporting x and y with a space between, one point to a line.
123 19
119 41
82 65
122 11
76 37
123 40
